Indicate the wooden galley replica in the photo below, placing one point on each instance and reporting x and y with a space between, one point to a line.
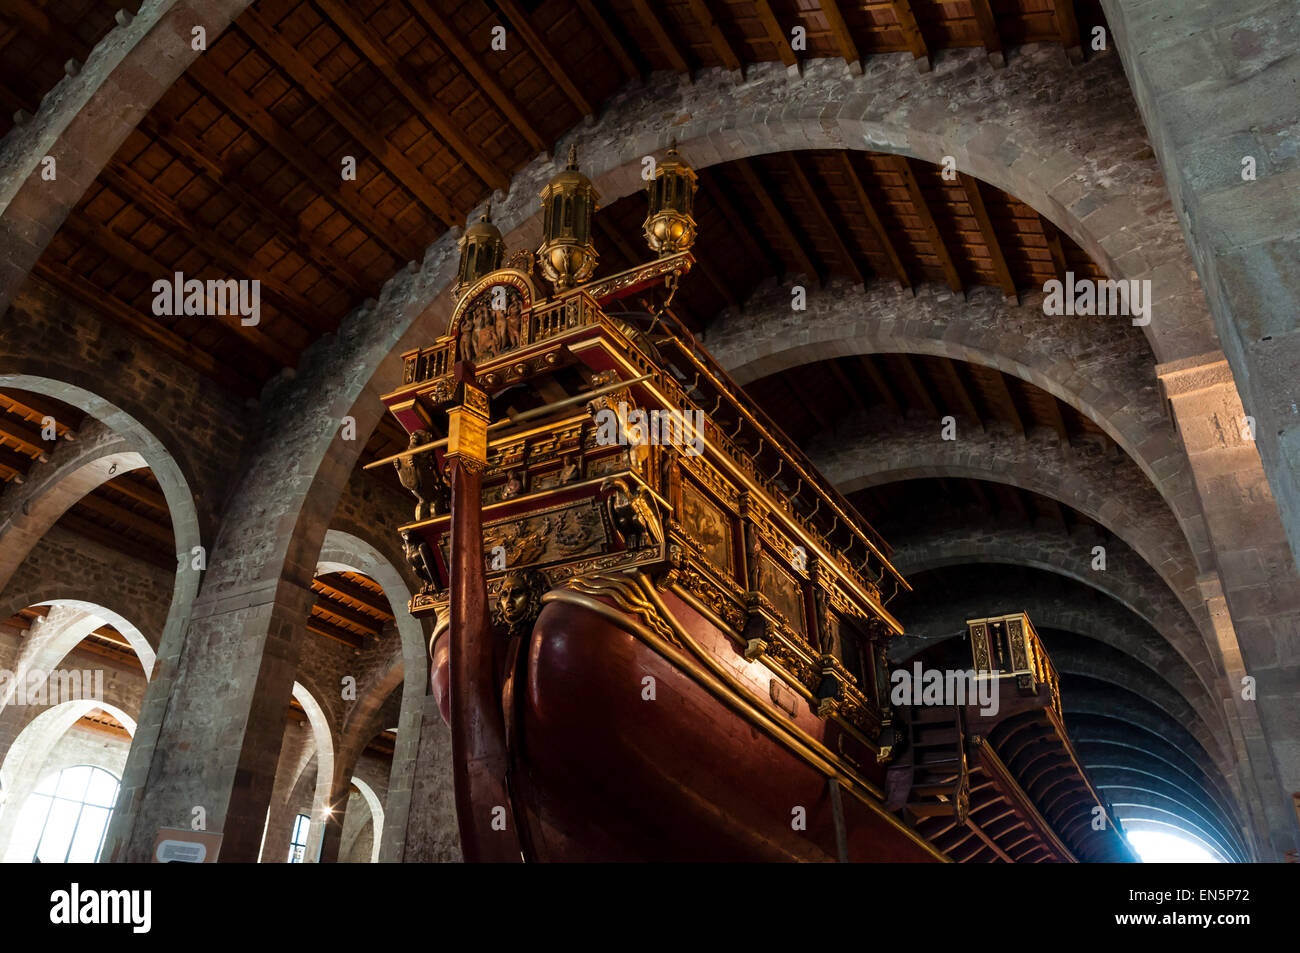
661 634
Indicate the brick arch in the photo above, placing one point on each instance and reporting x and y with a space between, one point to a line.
85 119
1100 367
861 454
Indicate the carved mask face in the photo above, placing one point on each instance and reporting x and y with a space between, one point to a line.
514 599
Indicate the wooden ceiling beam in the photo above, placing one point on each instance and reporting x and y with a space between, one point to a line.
667 46
849 387
324 177
282 54
914 381
988 27
952 371
610 38
337 633
343 589
14 461
483 77
1008 402
762 194
39 405
26 438
718 191
904 168
721 45
154 556
62 279
516 17
1057 420
843 36
38 22
873 219
225 175
1055 248
1007 283
813 407
102 506
878 381
140 492
325 606
912 34
823 216
1067 24
775 35
378 50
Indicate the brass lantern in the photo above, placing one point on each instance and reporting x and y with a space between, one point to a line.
481 250
567 255
669 224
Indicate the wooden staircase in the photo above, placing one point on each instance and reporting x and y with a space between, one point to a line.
933 779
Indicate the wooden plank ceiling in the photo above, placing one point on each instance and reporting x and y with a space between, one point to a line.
861 217
236 172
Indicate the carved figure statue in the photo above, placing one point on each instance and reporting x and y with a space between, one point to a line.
633 514
418 474
515 321
420 558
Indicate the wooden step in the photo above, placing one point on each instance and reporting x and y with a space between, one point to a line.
933 809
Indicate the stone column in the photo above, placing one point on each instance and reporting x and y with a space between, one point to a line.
432 833
1257 582
1216 85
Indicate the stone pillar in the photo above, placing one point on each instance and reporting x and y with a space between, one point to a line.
1216 84
432 833
295 751
220 724
1256 582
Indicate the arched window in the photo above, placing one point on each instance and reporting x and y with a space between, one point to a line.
64 819
298 844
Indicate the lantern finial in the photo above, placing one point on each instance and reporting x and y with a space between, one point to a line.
670 223
567 255
481 250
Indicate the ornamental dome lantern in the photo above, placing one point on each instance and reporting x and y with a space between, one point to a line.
481 250
567 255
669 223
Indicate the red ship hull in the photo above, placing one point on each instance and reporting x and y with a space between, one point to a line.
603 769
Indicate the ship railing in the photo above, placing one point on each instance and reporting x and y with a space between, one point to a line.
1008 647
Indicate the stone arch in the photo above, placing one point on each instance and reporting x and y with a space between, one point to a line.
1102 370
1113 493
1141 818
323 735
376 814
1065 155
1129 581
20 772
346 549
27 511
